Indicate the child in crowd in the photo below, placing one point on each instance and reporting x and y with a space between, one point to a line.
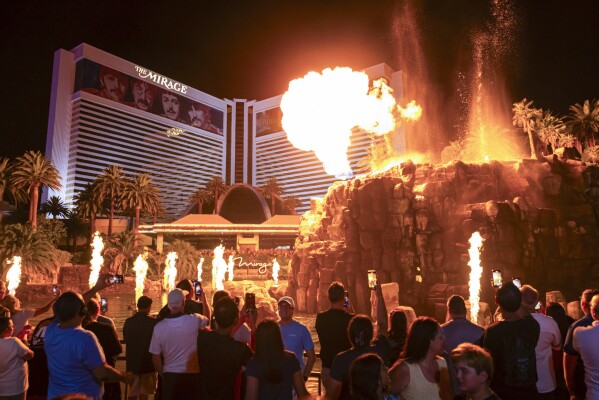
474 370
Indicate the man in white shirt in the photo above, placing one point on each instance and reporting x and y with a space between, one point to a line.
585 343
175 340
549 338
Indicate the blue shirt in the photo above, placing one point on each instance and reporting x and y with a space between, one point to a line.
296 339
72 355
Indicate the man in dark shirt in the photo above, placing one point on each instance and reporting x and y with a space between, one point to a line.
573 365
512 344
458 329
331 327
137 334
191 306
220 357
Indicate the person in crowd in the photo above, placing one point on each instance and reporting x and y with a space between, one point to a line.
13 363
360 333
549 338
113 84
171 105
20 317
573 364
245 325
191 306
474 371
512 344
222 358
76 363
398 332
421 373
137 334
109 341
296 336
458 329
174 349
4 312
331 328
586 342
273 371
143 95
563 320
368 378
103 318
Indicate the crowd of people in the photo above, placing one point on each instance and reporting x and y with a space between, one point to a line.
190 350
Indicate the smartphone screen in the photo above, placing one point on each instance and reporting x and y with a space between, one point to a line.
372 281
346 304
517 282
198 288
54 290
103 304
497 279
538 306
117 279
250 301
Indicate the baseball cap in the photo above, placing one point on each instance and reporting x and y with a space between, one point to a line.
176 297
288 300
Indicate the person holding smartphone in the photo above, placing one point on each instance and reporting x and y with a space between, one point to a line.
191 306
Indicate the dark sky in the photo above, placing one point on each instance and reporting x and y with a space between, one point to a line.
252 49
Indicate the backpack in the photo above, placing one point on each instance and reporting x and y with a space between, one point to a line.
520 361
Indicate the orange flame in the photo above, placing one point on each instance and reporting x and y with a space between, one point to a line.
412 111
476 242
13 276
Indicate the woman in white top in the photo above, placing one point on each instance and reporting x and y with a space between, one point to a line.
420 373
13 365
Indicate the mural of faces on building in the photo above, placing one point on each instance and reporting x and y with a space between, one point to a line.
113 84
143 95
171 106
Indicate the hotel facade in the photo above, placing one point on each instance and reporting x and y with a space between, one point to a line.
105 110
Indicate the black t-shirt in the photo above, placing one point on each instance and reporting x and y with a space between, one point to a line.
220 358
191 307
274 390
331 327
137 333
502 339
108 339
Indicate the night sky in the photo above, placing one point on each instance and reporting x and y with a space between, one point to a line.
252 49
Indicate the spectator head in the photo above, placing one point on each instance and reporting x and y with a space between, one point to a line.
530 297
508 297
585 300
69 306
555 310
336 292
456 306
474 367
186 286
6 327
595 307
176 300
286 308
226 312
398 324
144 303
11 303
270 348
360 331
425 335
93 310
367 377
219 294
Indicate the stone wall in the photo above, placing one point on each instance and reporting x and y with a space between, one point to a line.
412 224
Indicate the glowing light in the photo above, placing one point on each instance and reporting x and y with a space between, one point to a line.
230 266
97 260
275 272
219 267
170 271
412 111
476 242
320 110
13 276
200 269
140 267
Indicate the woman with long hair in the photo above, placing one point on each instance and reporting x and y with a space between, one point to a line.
368 377
273 371
420 373
398 331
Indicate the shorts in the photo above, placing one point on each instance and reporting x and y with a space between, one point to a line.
143 384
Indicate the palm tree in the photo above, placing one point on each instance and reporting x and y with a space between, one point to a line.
140 193
200 196
110 184
18 193
564 140
549 128
122 248
524 117
216 186
76 228
4 176
55 207
583 122
291 203
271 189
88 205
33 171
36 250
